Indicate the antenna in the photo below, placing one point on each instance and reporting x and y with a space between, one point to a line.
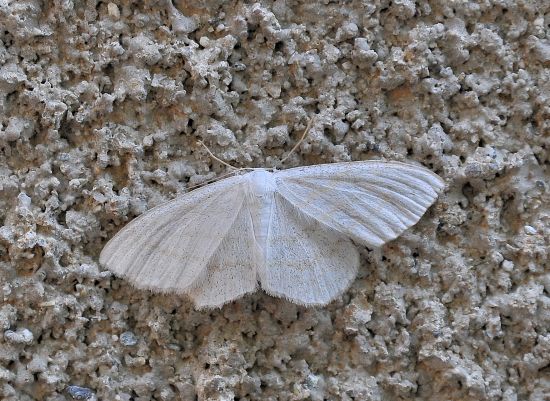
306 131
216 158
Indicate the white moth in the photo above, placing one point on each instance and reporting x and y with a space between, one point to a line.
290 231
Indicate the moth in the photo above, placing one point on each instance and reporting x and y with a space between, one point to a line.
291 232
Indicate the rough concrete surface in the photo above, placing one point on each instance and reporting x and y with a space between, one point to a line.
101 105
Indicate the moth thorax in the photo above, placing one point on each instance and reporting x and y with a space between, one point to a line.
262 183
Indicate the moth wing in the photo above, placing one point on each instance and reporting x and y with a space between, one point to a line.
307 262
170 247
372 202
232 270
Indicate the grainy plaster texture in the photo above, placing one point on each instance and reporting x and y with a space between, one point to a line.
101 107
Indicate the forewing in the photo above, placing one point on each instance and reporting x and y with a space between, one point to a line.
307 262
372 202
170 246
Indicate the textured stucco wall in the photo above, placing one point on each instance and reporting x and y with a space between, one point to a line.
101 105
